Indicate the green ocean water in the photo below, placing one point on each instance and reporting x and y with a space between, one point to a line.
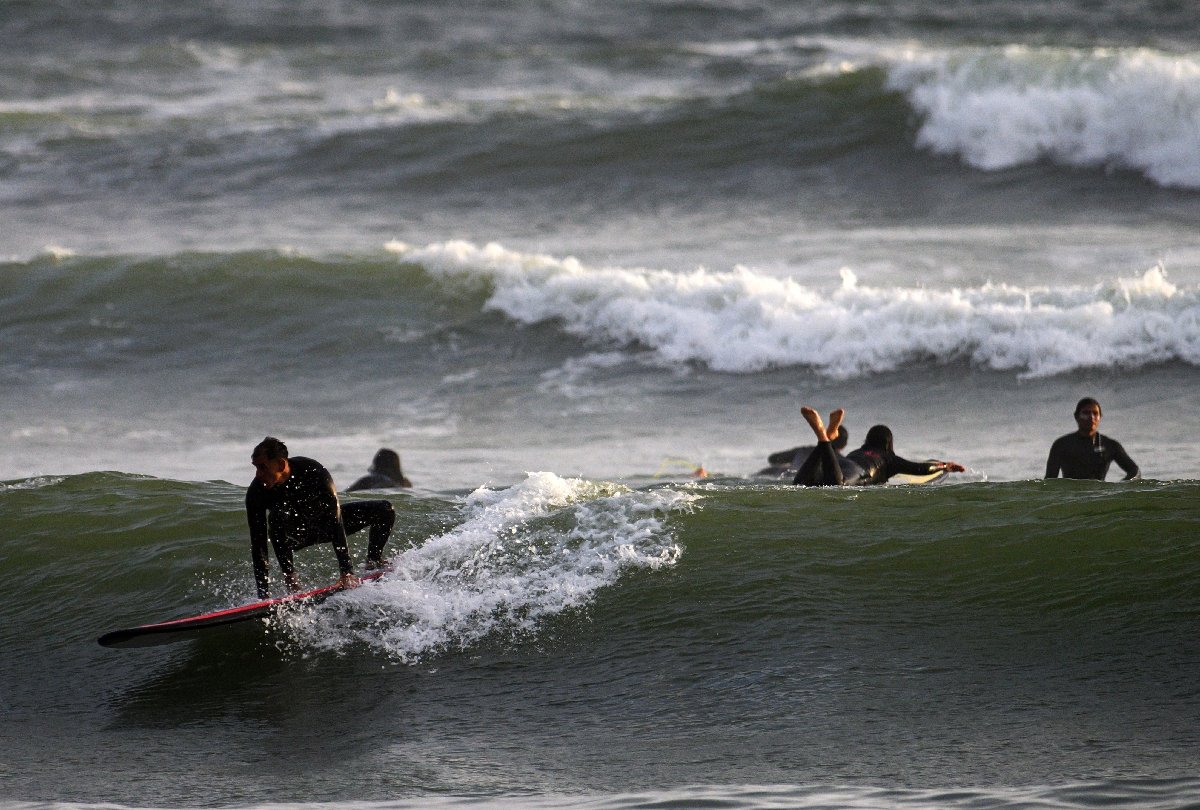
1019 633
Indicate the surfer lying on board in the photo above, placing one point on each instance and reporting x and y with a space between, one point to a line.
293 503
873 463
385 473
1087 453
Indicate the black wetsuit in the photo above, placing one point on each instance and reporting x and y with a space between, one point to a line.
785 462
378 480
861 467
1080 456
303 511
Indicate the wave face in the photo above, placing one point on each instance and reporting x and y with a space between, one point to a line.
811 99
1133 109
890 628
221 315
745 321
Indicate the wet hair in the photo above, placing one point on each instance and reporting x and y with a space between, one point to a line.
879 437
271 449
843 438
1085 402
387 462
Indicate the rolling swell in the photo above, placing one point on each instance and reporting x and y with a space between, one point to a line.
1042 556
440 308
1049 626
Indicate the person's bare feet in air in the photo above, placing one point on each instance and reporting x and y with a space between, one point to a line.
835 423
814 421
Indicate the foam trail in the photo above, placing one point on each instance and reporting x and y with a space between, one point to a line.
745 321
522 554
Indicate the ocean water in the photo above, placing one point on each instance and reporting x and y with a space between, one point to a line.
559 255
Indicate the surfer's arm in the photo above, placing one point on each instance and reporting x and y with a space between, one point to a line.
1124 462
256 516
1054 461
337 529
951 466
906 467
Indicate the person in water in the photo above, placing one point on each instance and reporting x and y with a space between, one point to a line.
1087 453
787 462
873 463
385 473
292 502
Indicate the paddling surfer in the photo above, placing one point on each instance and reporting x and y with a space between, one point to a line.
1087 453
873 463
293 504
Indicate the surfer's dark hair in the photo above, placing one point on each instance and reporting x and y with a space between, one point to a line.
879 437
387 462
270 448
1086 401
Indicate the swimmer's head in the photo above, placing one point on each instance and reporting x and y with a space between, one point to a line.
879 437
387 462
270 460
270 448
1087 416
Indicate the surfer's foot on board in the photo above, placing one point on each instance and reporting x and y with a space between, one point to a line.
375 565
835 423
814 421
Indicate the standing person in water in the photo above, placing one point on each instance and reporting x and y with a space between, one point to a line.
385 473
873 463
292 502
1087 453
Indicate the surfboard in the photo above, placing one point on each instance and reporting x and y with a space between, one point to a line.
928 478
168 632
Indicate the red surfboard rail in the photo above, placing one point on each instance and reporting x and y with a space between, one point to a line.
168 632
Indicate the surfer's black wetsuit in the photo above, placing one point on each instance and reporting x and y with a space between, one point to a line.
861 467
377 480
1080 456
304 510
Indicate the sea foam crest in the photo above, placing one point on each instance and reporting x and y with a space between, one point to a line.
745 321
1123 108
520 555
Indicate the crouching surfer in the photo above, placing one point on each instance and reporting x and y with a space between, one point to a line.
292 503
873 463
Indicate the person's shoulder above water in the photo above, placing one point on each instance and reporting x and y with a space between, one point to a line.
385 473
1087 453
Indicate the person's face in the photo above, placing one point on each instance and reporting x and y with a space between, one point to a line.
1088 419
271 471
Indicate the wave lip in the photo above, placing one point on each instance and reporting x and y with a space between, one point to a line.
1128 108
744 321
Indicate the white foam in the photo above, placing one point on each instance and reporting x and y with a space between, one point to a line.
520 555
1001 107
745 321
